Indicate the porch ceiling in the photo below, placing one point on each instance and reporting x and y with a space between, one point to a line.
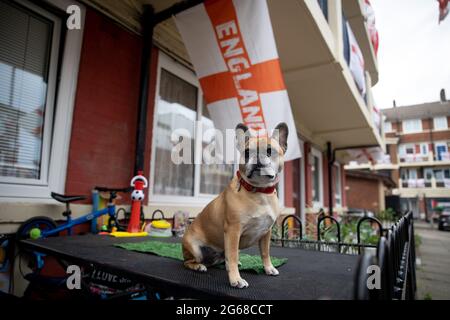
322 91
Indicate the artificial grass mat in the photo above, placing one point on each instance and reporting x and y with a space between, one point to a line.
173 251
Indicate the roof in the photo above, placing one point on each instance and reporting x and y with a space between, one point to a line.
371 175
418 111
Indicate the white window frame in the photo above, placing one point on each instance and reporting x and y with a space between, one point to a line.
198 198
403 147
411 122
55 148
424 146
436 121
318 154
387 126
338 193
427 171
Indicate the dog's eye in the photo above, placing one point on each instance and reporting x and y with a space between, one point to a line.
269 152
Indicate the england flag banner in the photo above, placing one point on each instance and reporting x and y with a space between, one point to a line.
232 47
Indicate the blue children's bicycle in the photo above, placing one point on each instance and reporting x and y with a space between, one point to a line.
43 227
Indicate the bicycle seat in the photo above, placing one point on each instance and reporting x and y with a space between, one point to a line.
65 198
105 189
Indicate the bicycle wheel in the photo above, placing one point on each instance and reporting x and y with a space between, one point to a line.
32 228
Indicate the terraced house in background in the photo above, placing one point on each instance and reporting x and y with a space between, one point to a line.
418 145
94 120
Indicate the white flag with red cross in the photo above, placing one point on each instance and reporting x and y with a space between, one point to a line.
232 47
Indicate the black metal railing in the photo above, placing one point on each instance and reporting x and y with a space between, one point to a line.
320 244
396 260
392 259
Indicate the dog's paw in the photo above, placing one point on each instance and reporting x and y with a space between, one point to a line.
196 266
271 271
239 283
201 268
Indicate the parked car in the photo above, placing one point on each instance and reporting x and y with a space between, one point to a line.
444 219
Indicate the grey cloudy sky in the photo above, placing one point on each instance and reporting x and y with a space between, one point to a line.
414 52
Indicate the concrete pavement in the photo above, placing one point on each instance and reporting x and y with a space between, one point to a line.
433 267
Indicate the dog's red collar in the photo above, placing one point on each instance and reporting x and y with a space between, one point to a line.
250 188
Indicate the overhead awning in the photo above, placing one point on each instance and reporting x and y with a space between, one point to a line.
326 102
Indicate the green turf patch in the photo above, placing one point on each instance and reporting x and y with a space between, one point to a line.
173 251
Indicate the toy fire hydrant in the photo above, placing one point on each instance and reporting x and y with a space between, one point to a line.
139 183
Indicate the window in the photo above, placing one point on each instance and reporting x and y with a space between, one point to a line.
317 178
388 126
180 106
408 174
424 148
440 123
412 126
407 149
441 174
337 185
35 108
428 173
26 100
441 150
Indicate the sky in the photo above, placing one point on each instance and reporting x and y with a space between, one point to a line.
414 52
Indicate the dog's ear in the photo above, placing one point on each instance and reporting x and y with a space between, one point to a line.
242 136
280 134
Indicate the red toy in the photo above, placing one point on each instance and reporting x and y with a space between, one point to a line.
139 183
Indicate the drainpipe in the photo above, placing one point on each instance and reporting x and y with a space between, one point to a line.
147 46
148 22
330 158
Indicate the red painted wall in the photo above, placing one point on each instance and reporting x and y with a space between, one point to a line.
102 147
288 184
308 175
343 184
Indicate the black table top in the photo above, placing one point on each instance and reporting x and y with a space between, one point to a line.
306 275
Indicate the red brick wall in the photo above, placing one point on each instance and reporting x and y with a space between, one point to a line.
425 136
102 147
362 193
427 124
297 193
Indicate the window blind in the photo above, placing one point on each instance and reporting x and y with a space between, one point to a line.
25 39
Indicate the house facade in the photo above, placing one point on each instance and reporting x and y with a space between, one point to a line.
418 145
70 116
366 190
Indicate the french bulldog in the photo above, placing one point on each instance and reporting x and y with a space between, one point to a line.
244 213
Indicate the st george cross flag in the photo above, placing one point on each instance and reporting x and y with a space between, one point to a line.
365 155
232 47
356 62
